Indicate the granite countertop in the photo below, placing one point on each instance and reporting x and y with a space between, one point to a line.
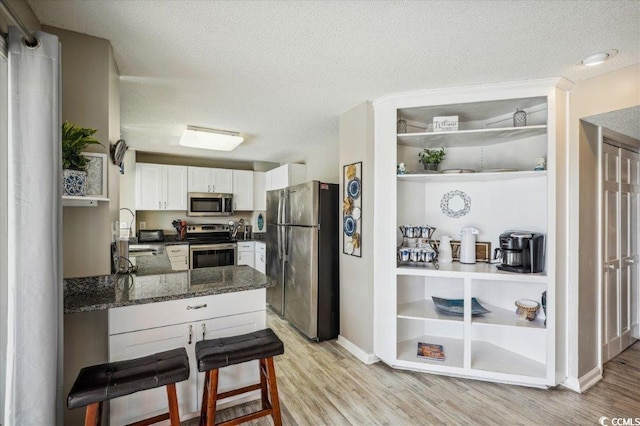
113 291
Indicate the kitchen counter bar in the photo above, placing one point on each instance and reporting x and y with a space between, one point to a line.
112 291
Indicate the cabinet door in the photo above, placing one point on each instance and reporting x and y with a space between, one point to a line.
246 258
268 181
280 177
176 188
199 179
239 375
242 190
140 405
149 186
261 263
222 181
259 191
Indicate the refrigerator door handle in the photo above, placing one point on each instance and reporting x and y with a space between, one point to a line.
286 231
279 242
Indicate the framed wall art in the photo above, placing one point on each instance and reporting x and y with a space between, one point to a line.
96 174
352 209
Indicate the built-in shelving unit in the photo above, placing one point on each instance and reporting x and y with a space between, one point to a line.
473 137
498 345
75 201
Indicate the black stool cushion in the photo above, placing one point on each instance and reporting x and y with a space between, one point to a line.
113 379
218 353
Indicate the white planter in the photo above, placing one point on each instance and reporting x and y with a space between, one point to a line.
74 182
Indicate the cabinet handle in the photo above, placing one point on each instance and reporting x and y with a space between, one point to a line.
213 188
610 266
208 188
204 305
165 205
159 204
203 330
632 261
190 333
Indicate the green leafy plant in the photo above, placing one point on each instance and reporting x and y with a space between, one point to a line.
74 140
431 156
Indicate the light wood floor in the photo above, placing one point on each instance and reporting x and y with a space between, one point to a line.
322 383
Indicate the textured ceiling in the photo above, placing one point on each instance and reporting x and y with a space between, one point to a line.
625 121
281 72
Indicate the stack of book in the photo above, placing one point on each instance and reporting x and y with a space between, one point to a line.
430 351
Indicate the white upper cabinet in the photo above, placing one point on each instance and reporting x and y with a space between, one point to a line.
259 191
242 190
176 187
161 187
286 175
206 179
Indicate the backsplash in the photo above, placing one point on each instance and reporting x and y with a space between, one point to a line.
162 219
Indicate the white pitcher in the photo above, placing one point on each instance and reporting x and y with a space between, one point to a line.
444 250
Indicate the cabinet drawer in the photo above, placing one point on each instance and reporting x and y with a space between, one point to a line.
179 263
150 315
182 250
246 246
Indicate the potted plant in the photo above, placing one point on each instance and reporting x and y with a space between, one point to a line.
74 140
431 158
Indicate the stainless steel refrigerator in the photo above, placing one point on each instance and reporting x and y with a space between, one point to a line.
302 256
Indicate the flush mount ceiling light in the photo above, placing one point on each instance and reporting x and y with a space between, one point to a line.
598 58
217 140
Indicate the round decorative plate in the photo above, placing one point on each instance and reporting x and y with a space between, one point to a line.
349 247
353 188
455 204
349 226
356 213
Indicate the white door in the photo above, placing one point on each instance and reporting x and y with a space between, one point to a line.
259 191
176 188
140 405
222 181
199 179
243 190
631 186
149 186
239 375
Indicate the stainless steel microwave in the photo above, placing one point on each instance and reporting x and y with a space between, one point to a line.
209 204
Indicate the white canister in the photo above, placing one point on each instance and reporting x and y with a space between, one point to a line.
468 245
445 254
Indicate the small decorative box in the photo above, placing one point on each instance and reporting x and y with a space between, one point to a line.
445 124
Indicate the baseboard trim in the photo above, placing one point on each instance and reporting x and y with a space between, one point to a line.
357 352
585 382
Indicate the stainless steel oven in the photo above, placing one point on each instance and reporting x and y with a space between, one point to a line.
211 255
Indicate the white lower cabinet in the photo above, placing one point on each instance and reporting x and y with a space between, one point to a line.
140 330
246 253
178 256
261 257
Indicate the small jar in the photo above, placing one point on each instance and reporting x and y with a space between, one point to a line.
402 125
519 118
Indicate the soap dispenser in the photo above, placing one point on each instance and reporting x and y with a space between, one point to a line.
468 245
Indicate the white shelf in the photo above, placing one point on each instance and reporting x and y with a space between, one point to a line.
489 357
424 310
75 201
481 271
466 138
501 317
453 351
470 177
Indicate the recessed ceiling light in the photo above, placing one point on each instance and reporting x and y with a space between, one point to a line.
598 58
216 140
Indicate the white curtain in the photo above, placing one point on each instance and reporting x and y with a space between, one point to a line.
33 393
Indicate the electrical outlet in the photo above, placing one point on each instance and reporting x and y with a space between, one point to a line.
143 225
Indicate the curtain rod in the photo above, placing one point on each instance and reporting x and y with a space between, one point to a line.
29 38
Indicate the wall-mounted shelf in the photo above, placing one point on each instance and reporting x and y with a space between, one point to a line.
465 138
75 201
470 177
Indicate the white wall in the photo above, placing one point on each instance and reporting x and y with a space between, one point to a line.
321 162
605 93
356 273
